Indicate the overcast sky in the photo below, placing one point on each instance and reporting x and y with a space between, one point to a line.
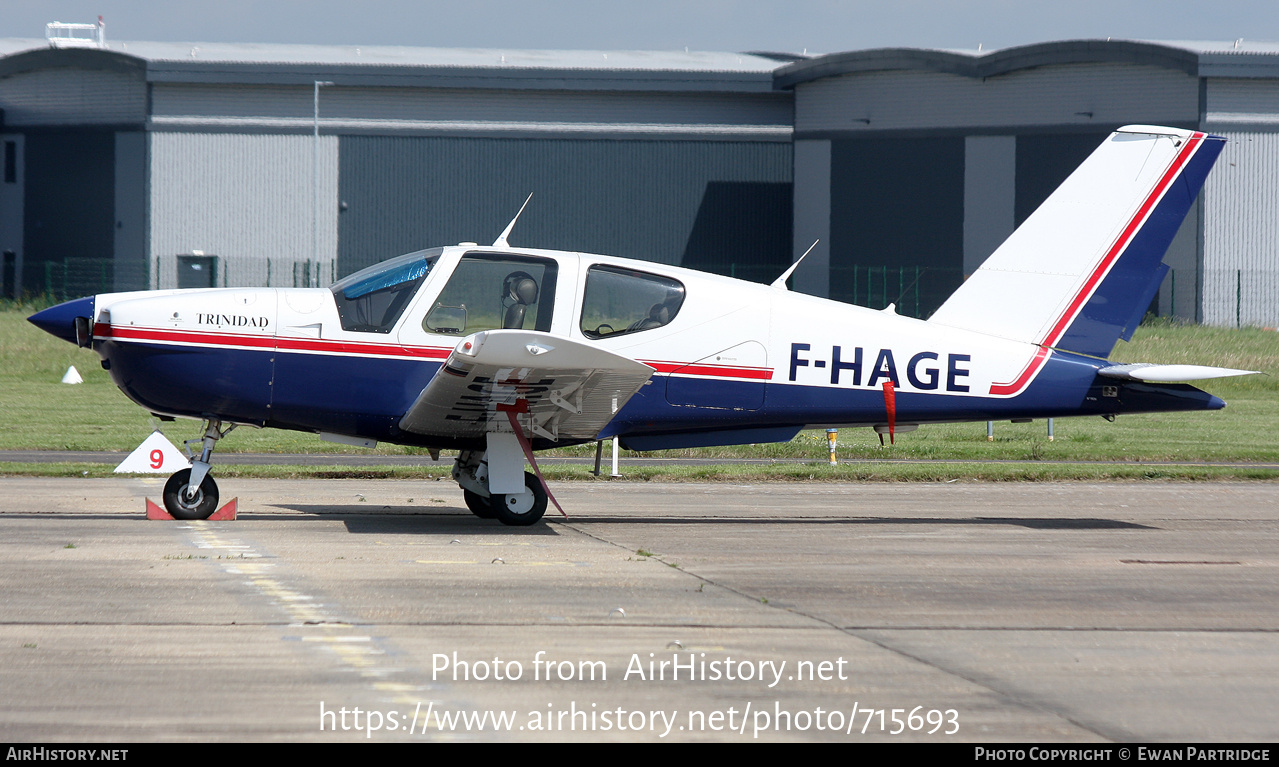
711 25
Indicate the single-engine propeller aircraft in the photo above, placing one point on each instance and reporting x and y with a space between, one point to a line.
497 351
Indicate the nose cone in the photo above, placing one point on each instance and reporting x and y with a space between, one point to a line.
60 320
1215 402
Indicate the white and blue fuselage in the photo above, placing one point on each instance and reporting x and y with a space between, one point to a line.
493 350
739 362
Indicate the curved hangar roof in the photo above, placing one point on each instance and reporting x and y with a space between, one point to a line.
1198 59
611 70
406 66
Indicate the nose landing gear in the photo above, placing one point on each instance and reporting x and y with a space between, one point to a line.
192 493
181 503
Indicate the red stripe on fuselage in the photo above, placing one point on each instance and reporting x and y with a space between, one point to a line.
718 371
1032 367
165 335
361 348
1099 272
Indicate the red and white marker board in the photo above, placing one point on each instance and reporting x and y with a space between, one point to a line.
156 455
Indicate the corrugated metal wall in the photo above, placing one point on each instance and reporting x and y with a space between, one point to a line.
1178 295
707 204
1249 101
247 199
1076 94
72 97
1241 233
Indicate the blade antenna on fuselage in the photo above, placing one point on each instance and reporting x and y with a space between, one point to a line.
780 282
501 242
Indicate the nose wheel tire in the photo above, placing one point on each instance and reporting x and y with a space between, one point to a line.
479 505
201 505
520 509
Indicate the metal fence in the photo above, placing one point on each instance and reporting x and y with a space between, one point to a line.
1230 297
242 272
916 291
75 277
1239 297
1219 297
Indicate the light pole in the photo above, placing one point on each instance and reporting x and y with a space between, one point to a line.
315 183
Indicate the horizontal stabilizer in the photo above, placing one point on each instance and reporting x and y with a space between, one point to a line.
1143 371
1079 273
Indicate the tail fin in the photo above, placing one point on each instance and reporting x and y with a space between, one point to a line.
1079 273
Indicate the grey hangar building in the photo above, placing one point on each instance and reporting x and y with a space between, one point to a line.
139 165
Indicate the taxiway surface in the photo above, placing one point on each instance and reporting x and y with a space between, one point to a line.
805 611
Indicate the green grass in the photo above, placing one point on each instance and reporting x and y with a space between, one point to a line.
890 471
38 412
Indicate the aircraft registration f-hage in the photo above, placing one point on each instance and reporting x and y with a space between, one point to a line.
497 351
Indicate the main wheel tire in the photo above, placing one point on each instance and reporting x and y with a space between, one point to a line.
479 505
200 506
524 508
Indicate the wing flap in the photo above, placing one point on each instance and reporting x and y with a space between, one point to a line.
562 389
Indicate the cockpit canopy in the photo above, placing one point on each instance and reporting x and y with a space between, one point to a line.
503 290
372 300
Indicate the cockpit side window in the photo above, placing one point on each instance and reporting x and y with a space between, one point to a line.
620 301
372 299
488 291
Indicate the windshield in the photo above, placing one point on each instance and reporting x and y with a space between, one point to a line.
372 299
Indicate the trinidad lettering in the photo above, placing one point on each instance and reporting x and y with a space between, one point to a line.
234 320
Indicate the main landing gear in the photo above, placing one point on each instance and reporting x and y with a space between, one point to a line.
192 493
496 487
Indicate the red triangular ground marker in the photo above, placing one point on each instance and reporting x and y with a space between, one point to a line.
155 511
224 514
227 512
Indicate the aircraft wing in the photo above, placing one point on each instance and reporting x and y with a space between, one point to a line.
561 388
